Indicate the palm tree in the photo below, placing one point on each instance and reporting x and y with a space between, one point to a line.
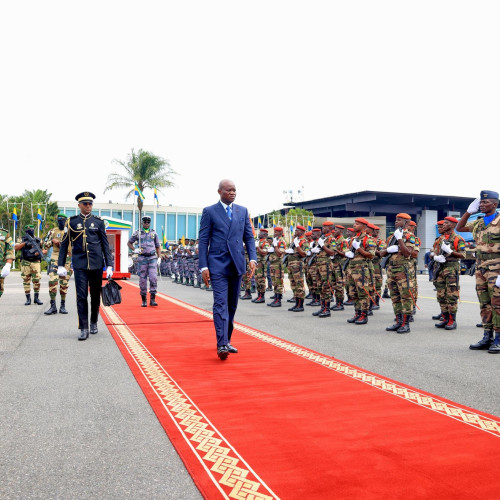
144 169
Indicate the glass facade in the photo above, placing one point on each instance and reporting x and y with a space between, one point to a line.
106 213
181 225
171 228
192 226
117 214
70 211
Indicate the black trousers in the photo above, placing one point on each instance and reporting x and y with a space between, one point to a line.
84 280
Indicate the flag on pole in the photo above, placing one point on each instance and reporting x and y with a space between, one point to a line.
259 223
14 217
309 225
156 198
40 218
274 222
183 240
138 192
165 242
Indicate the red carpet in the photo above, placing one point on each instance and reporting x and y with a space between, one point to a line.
280 421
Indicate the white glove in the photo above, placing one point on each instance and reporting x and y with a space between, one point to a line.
497 282
6 270
446 248
256 243
296 242
109 272
308 252
349 254
393 249
315 250
158 262
275 242
137 251
474 206
321 242
61 271
440 258
398 234
432 254
289 250
356 244
270 250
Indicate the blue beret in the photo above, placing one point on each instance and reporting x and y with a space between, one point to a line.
488 195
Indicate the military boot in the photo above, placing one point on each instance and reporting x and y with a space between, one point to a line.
295 306
144 301
253 289
405 324
53 308
84 334
191 282
357 314
362 319
484 343
28 299
292 300
308 296
386 295
339 306
444 321
369 312
152 301
62 308
197 285
316 301
349 302
269 288
325 312
36 300
439 316
247 295
495 346
318 312
300 306
452 322
376 305
397 324
277 301
260 298
256 298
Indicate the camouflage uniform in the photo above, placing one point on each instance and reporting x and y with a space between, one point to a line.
30 266
147 260
54 279
324 268
295 266
337 269
277 266
6 252
412 270
447 281
311 274
261 268
487 240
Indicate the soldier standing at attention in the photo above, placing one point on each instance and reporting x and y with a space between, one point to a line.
436 250
361 251
31 263
401 246
486 232
87 235
261 246
246 281
296 253
374 230
54 241
148 259
276 252
311 268
338 261
412 227
348 289
452 249
6 255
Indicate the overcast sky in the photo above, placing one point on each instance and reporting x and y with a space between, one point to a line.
334 96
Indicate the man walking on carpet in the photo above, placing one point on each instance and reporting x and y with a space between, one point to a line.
224 227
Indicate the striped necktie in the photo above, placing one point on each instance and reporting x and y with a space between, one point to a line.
229 212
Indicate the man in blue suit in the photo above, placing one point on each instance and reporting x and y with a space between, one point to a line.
224 227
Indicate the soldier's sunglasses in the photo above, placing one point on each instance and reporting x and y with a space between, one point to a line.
86 203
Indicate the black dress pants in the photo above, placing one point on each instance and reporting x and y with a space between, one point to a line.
86 279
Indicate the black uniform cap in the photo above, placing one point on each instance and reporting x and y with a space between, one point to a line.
146 218
488 195
85 196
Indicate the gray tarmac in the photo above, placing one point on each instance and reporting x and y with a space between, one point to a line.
75 424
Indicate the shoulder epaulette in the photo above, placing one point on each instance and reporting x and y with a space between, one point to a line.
97 217
73 216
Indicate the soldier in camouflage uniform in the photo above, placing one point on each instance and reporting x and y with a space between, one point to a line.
450 248
53 240
412 227
349 291
261 246
295 262
31 262
6 255
324 268
338 262
246 281
311 268
148 259
361 252
374 230
400 248
486 232
276 252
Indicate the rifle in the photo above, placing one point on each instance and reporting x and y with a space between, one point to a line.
284 259
393 241
36 246
438 266
313 258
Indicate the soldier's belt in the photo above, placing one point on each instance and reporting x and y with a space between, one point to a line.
482 256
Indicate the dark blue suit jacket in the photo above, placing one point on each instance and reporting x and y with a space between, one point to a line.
221 240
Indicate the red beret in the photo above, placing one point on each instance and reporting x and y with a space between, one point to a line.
376 227
277 228
451 219
309 233
413 223
328 223
302 228
339 226
362 221
402 215
440 222
351 229
262 230
316 229
371 226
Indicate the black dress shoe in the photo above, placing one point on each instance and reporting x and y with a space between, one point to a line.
222 352
93 328
84 334
231 349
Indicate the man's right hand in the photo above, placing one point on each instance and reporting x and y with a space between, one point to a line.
61 271
137 250
474 206
205 275
6 270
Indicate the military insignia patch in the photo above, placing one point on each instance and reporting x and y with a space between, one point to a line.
92 224
86 193
58 235
79 226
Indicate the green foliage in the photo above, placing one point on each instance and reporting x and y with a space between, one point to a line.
293 216
144 168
